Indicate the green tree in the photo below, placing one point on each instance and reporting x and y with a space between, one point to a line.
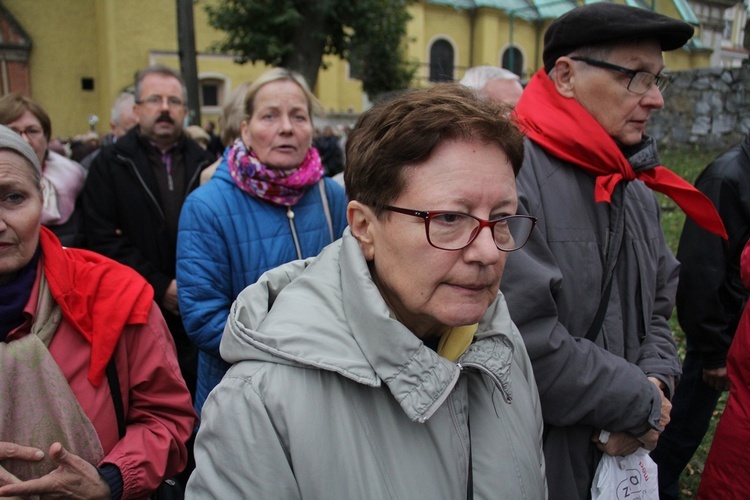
296 34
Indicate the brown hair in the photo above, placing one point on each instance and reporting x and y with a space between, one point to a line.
13 105
404 131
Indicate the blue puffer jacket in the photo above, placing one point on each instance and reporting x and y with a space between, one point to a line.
226 240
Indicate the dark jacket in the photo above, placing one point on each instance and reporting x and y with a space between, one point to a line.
553 286
122 208
710 297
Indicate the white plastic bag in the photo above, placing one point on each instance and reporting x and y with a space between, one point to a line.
633 477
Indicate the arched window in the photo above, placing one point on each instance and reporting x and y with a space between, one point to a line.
441 61
513 60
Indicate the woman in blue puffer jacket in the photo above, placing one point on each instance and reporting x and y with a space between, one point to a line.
267 204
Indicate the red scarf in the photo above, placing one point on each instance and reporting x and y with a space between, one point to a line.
96 295
564 129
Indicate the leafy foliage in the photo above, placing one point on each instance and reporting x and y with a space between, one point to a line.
297 34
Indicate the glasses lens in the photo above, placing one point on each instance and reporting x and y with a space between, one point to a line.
454 231
641 82
451 231
158 101
512 232
663 81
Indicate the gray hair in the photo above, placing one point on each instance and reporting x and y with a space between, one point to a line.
478 76
124 101
162 70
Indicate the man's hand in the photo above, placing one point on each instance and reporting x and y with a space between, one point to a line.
169 300
74 477
666 405
619 444
650 439
717 378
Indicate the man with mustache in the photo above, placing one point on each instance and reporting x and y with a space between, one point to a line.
135 190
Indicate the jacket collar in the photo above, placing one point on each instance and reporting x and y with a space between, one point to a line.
349 330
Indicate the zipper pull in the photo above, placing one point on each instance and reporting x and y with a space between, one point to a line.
289 213
170 182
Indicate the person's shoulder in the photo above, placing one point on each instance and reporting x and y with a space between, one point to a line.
195 152
126 146
333 186
94 259
64 163
222 198
731 163
539 163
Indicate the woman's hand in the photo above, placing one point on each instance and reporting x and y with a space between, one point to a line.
74 477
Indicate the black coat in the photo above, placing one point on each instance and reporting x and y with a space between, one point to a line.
122 210
710 296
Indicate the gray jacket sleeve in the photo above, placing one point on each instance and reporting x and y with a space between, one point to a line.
579 381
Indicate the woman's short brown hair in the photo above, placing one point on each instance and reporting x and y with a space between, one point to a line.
405 130
13 105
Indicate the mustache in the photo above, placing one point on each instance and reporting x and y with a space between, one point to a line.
164 117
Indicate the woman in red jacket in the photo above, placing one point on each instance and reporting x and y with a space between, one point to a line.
726 475
71 323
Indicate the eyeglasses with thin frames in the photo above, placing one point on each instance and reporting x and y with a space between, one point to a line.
640 81
157 101
455 230
31 133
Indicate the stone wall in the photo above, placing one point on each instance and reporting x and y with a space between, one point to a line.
706 108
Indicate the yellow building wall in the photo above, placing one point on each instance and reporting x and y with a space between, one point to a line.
110 40
452 25
495 33
62 53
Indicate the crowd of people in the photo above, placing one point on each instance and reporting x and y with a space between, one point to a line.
209 309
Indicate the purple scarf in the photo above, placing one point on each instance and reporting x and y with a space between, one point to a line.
14 296
279 186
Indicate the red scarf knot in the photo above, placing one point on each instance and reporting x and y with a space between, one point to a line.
563 128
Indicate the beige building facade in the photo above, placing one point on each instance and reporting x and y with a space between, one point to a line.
75 56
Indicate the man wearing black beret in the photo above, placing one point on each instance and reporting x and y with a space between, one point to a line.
592 290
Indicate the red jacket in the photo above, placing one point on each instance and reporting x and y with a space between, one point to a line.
726 475
93 292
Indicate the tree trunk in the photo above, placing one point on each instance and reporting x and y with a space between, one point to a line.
310 44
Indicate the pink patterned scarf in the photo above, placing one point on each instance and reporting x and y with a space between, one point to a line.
278 186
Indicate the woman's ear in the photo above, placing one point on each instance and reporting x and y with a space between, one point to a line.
361 220
564 77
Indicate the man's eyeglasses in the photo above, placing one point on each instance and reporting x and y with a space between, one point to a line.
156 101
640 81
455 230
31 133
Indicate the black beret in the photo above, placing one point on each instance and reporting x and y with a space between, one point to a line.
604 22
